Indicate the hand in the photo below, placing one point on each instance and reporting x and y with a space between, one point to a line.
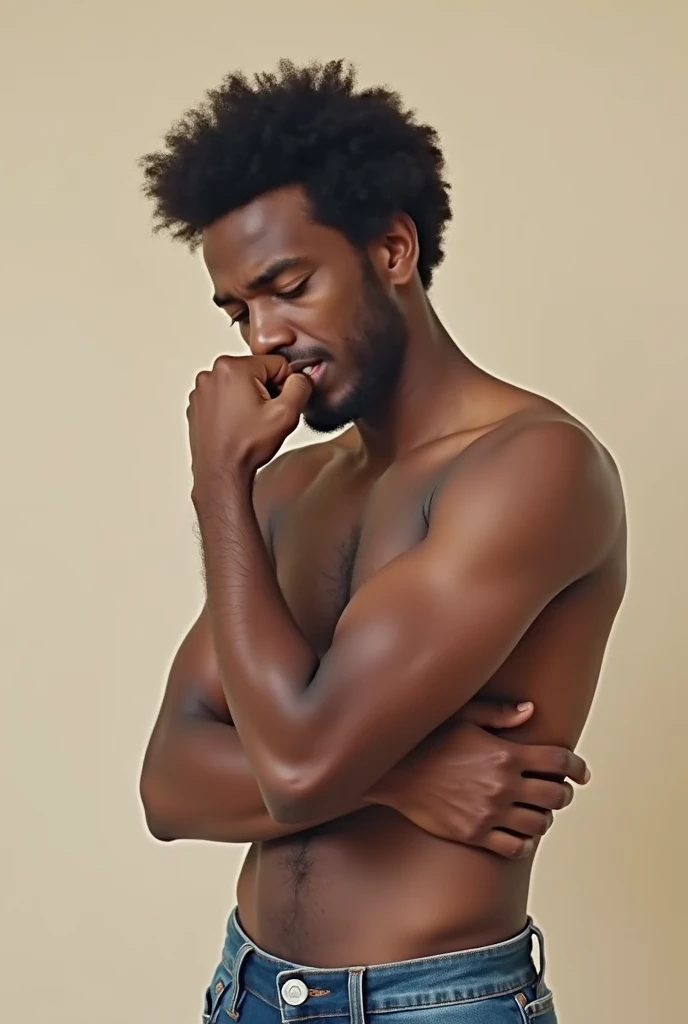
240 413
466 785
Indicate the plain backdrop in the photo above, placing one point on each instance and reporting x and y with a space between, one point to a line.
564 125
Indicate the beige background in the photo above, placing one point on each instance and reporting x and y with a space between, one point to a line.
565 128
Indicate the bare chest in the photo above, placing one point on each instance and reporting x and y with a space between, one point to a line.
337 534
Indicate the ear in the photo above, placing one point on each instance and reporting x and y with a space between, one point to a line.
396 252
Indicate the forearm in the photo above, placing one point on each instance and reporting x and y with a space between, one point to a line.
199 784
265 661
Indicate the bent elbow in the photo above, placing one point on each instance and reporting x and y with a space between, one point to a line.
284 810
155 808
295 797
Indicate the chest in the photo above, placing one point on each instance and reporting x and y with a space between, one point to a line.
334 536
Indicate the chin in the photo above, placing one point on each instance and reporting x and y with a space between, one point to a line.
326 417
324 422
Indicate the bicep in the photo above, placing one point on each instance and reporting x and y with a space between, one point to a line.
428 631
415 644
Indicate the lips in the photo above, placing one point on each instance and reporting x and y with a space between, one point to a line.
311 368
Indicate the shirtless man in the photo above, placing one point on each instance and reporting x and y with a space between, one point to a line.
463 539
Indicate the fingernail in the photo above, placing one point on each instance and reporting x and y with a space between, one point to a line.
587 776
524 706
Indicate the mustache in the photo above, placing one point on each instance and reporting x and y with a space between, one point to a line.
311 354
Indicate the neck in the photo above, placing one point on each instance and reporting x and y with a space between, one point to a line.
426 402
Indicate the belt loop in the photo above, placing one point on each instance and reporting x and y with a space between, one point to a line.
541 989
356 1009
236 968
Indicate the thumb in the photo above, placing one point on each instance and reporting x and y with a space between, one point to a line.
295 392
493 715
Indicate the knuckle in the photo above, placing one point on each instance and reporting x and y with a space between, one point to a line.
480 821
495 785
468 832
503 758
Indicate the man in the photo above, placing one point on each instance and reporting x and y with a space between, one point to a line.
463 539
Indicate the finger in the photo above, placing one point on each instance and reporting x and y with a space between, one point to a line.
496 715
556 761
506 845
526 821
549 796
296 391
274 368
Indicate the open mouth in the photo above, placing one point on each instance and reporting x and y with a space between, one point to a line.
314 371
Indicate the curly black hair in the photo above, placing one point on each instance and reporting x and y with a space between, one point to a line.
359 155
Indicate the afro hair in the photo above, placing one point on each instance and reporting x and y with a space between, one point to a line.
358 154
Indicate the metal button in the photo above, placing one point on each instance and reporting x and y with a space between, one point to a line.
294 992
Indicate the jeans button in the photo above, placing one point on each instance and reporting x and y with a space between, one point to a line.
294 992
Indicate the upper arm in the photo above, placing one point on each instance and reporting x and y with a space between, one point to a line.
510 529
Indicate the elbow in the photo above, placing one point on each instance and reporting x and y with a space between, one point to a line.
296 796
156 808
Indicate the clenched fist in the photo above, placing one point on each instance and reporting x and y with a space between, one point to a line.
240 413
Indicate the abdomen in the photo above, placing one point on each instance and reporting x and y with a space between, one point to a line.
373 888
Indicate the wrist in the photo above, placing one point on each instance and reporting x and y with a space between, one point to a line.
211 491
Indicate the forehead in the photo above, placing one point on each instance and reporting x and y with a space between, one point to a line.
277 225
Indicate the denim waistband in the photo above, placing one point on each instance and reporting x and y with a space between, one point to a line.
445 979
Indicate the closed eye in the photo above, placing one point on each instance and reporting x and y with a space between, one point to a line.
294 293
288 296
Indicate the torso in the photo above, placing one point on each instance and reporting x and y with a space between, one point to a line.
371 887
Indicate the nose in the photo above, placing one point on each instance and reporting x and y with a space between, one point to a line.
268 331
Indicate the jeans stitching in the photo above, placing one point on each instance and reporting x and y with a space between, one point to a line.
453 1002
399 1008
274 1006
547 1007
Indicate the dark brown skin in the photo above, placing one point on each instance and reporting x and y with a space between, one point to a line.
466 540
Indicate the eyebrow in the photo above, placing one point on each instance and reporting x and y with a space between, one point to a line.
265 278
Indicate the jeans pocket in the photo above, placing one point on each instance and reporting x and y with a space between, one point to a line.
540 1010
217 993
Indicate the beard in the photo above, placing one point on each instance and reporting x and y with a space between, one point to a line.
378 347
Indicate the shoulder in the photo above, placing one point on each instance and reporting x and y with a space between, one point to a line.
537 480
553 451
553 446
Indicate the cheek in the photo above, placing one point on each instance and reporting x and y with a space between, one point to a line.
330 316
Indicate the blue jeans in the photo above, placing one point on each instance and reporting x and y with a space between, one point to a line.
490 985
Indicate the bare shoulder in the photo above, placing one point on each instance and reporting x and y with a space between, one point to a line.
553 435
539 480
545 443
288 474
